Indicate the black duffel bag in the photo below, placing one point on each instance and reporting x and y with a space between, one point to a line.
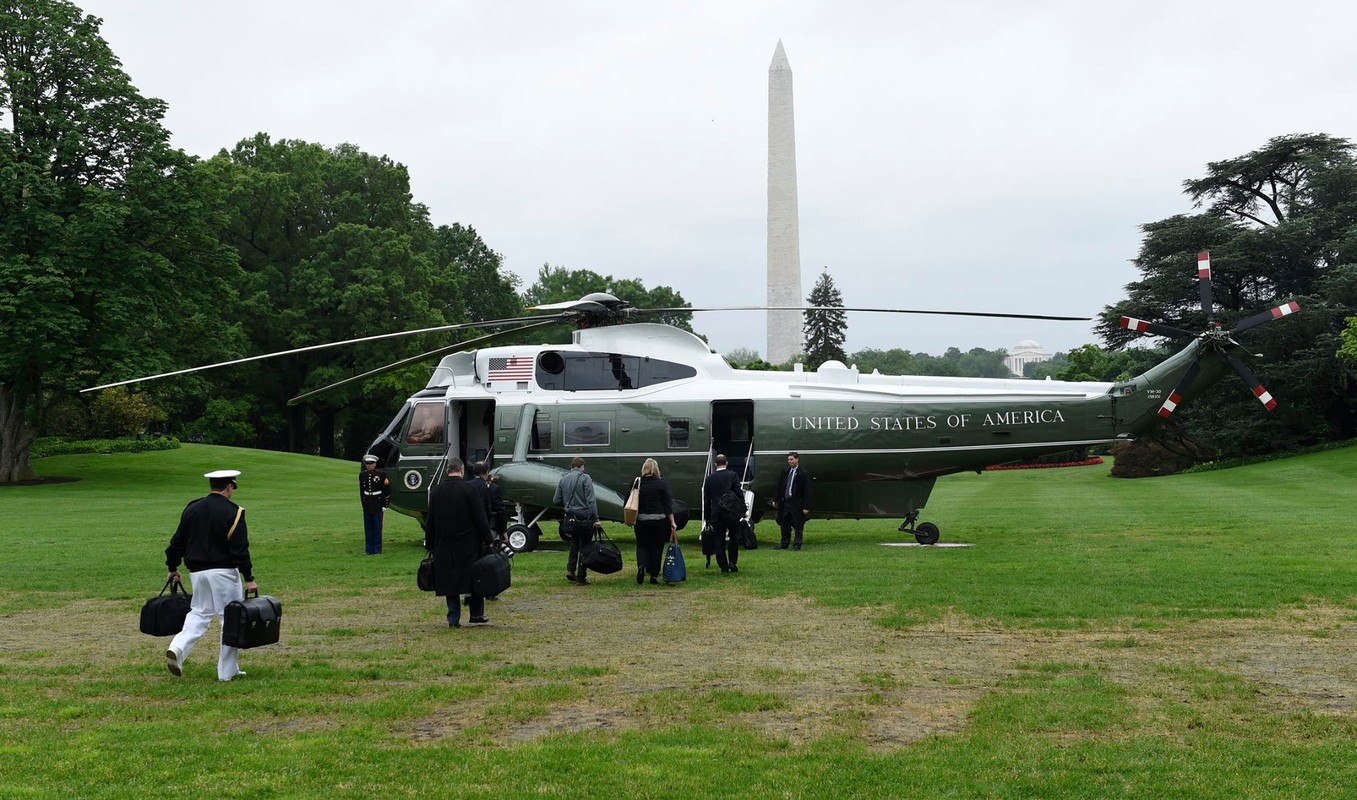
163 615
601 555
424 575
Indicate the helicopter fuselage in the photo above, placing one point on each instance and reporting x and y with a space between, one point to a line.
872 444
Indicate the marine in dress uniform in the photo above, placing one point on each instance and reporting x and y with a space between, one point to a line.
374 490
213 542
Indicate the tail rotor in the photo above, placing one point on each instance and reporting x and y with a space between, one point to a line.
1213 339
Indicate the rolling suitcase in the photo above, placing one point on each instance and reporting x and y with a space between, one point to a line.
252 622
163 615
490 575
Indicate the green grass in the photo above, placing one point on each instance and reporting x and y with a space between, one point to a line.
1186 636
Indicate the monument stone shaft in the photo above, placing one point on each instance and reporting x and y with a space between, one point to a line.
784 236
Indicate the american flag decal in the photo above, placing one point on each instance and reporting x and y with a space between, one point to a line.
513 368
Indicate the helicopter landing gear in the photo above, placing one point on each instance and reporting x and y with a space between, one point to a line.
523 538
924 533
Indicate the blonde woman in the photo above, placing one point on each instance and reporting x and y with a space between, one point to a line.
654 522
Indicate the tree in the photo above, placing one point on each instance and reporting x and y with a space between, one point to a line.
1280 224
334 247
108 265
558 285
824 328
741 357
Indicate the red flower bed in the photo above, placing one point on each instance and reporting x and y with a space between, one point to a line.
1085 463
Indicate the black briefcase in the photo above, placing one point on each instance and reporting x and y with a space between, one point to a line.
490 575
252 622
163 615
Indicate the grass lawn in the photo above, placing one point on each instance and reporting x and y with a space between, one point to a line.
1188 636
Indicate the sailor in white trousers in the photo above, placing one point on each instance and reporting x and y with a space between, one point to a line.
213 542
212 590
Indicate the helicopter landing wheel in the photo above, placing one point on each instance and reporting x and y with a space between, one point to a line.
522 538
926 533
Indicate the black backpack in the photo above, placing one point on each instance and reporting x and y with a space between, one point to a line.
732 506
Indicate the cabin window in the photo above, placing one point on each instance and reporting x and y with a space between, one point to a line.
426 424
586 433
652 371
593 372
678 434
541 431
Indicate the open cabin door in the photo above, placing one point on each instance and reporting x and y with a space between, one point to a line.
732 434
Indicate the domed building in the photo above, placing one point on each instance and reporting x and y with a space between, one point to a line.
1024 353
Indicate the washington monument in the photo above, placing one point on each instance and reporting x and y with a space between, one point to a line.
784 236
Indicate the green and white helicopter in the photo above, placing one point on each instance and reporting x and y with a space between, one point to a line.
623 390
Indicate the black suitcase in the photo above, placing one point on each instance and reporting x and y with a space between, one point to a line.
252 622
490 575
164 614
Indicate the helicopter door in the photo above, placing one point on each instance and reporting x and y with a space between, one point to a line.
477 431
732 433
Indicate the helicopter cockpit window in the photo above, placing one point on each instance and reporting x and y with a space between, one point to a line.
426 424
586 433
678 434
541 432
585 372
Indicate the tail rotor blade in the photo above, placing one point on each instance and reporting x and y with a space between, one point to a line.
1142 326
1204 282
1255 386
1176 396
1267 316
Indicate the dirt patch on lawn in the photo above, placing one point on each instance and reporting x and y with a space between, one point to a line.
603 659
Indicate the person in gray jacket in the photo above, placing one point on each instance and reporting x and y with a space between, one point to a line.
575 494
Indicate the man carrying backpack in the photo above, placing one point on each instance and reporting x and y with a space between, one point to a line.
721 489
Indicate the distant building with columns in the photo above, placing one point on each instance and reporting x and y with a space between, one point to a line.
1024 353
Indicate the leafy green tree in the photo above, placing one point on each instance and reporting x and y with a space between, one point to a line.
825 329
1040 370
559 285
1281 224
888 362
108 263
741 357
334 247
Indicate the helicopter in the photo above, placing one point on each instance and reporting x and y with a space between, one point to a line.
623 390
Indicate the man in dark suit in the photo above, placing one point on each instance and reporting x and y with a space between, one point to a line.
717 484
793 502
457 533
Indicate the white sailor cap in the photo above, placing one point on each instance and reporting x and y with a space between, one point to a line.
222 474
369 459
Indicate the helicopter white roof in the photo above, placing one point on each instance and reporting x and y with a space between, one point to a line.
665 342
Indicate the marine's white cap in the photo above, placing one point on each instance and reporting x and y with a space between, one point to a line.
369 459
222 474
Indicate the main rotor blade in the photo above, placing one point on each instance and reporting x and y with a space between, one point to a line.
1255 385
872 310
1266 316
483 340
1204 282
496 323
1176 396
1141 326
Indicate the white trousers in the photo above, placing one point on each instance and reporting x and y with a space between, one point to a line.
212 590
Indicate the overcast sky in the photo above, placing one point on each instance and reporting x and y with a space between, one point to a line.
984 156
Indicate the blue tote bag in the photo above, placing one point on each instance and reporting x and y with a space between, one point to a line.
674 569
